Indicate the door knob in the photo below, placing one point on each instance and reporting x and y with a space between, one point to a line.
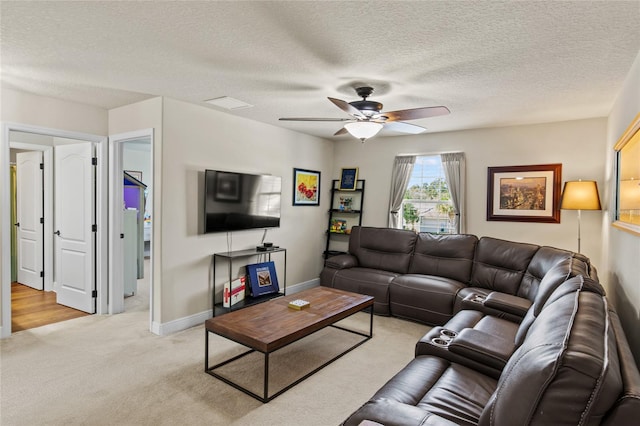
57 233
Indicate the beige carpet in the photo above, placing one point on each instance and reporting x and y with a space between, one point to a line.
110 370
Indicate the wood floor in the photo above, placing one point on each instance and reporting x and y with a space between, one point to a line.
32 308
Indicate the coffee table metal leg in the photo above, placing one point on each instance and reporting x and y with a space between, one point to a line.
206 350
266 377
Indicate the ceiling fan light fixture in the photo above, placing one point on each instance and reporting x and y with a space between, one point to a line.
363 130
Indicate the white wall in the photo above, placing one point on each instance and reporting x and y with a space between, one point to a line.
196 138
623 248
24 108
577 145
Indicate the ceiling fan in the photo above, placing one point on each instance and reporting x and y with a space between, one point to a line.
367 118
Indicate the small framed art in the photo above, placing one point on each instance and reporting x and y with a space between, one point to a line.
262 278
349 179
306 187
524 193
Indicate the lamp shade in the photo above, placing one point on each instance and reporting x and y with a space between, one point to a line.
363 129
580 195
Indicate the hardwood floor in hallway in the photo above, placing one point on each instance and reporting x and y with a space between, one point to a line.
32 308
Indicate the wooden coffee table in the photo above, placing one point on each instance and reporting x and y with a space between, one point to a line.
272 325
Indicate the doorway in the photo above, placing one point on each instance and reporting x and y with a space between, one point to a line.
53 183
60 277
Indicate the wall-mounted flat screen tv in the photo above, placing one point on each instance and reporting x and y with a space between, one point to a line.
235 201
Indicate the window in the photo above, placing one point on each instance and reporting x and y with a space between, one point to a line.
427 205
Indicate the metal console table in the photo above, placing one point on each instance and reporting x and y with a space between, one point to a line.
230 256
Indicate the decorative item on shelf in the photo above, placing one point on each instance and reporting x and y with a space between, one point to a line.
299 304
339 226
346 203
580 195
262 278
349 179
234 293
306 187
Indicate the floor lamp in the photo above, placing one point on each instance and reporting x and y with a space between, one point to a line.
580 195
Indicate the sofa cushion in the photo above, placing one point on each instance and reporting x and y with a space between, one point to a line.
424 298
438 340
382 248
551 290
449 256
431 385
372 282
500 265
626 410
565 372
544 259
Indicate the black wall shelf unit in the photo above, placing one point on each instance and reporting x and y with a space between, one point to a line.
345 212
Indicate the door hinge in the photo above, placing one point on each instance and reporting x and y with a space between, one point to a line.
42 220
121 236
41 166
94 228
94 161
94 293
41 274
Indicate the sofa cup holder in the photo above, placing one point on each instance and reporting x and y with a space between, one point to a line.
438 341
478 298
446 336
445 333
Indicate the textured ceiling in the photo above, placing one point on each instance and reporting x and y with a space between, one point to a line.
492 63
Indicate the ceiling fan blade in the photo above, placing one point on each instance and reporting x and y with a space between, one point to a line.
312 119
416 113
398 126
347 107
340 132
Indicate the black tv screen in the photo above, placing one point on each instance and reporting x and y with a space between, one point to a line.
235 201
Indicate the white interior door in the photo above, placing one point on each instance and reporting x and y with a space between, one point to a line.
29 197
74 219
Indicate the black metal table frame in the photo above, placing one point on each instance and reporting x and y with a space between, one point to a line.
266 398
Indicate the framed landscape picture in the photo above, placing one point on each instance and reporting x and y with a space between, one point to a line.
524 193
262 278
306 187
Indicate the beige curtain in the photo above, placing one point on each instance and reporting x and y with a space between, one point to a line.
454 171
402 168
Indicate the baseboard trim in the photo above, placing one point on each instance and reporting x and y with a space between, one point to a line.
164 329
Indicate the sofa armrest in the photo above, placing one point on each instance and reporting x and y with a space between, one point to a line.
342 261
482 347
507 303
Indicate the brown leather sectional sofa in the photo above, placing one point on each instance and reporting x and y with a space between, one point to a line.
524 334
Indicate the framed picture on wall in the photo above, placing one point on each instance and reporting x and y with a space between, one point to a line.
627 214
349 179
524 193
306 187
